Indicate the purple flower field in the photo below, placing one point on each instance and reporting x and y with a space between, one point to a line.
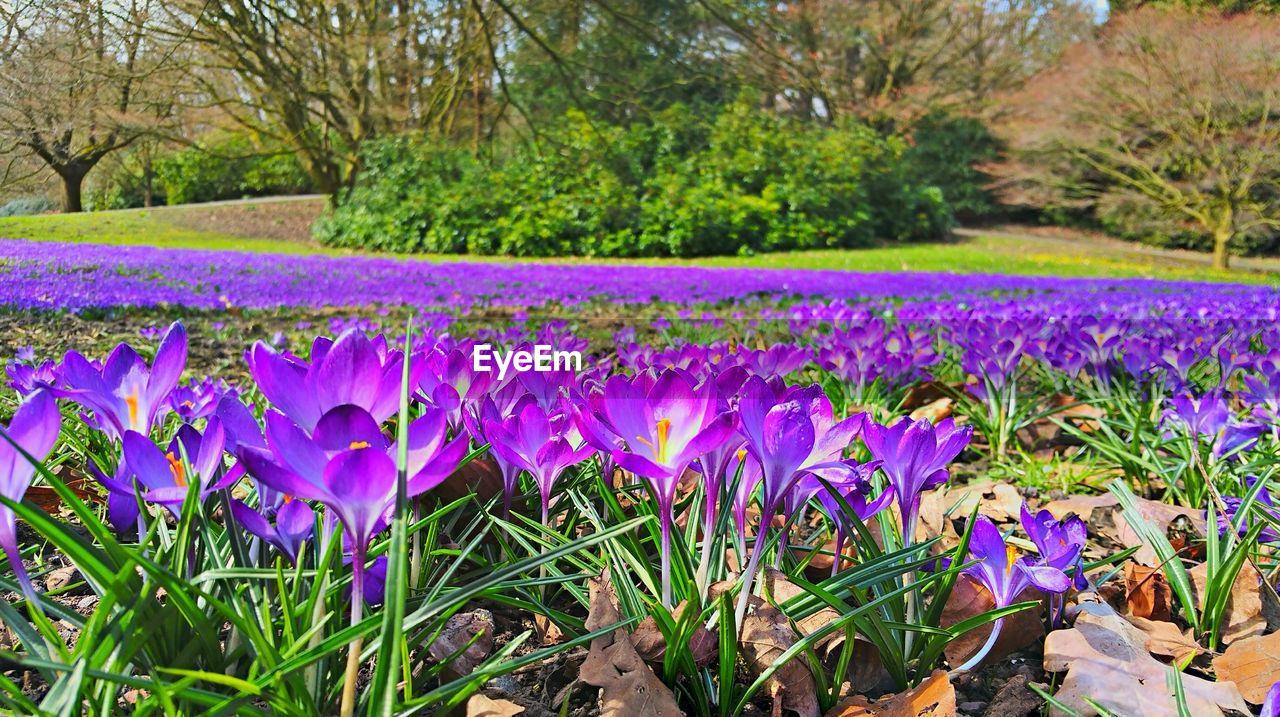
50 275
864 482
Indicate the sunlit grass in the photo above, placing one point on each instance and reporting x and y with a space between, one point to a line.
984 254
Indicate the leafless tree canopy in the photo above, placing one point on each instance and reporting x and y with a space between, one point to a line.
1189 125
897 58
79 79
324 76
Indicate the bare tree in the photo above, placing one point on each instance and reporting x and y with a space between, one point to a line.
326 76
79 79
897 58
1178 107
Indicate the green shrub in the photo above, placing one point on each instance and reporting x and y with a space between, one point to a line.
682 185
23 206
228 167
946 151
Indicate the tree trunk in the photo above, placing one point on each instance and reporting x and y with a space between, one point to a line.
1221 259
72 180
147 175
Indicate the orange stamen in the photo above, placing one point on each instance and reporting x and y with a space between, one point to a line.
131 401
175 467
358 444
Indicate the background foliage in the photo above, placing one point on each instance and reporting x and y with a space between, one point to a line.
680 185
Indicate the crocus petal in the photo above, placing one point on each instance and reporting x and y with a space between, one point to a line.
294 448
1047 579
171 359
252 521
362 483
284 384
346 427
147 461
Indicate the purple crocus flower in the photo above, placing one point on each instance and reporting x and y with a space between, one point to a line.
122 504
294 523
198 399
853 485
26 378
296 463
1202 416
1061 546
668 423
1005 575
449 381
191 455
34 429
541 444
1271 705
914 455
358 483
747 485
1263 502
788 436
487 411
125 395
351 370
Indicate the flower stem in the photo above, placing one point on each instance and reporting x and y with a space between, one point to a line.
318 614
972 662
704 560
353 655
748 577
666 562
909 578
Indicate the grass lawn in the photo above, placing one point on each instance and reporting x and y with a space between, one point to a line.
281 226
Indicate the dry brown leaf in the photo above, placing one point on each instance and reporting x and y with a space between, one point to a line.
629 687
1106 661
1243 617
1166 640
1253 664
1161 515
481 706
936 411
969 598
766 634
549 633
1000 502
869 672
1081 505
1147 592
1103 515
922 394
480 476
781 590
935 697
652 644
468 638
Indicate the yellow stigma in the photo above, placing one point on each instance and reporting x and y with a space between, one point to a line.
175 467
664 428
132 402
1010 555
287 498
660 450
358 444
742 454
